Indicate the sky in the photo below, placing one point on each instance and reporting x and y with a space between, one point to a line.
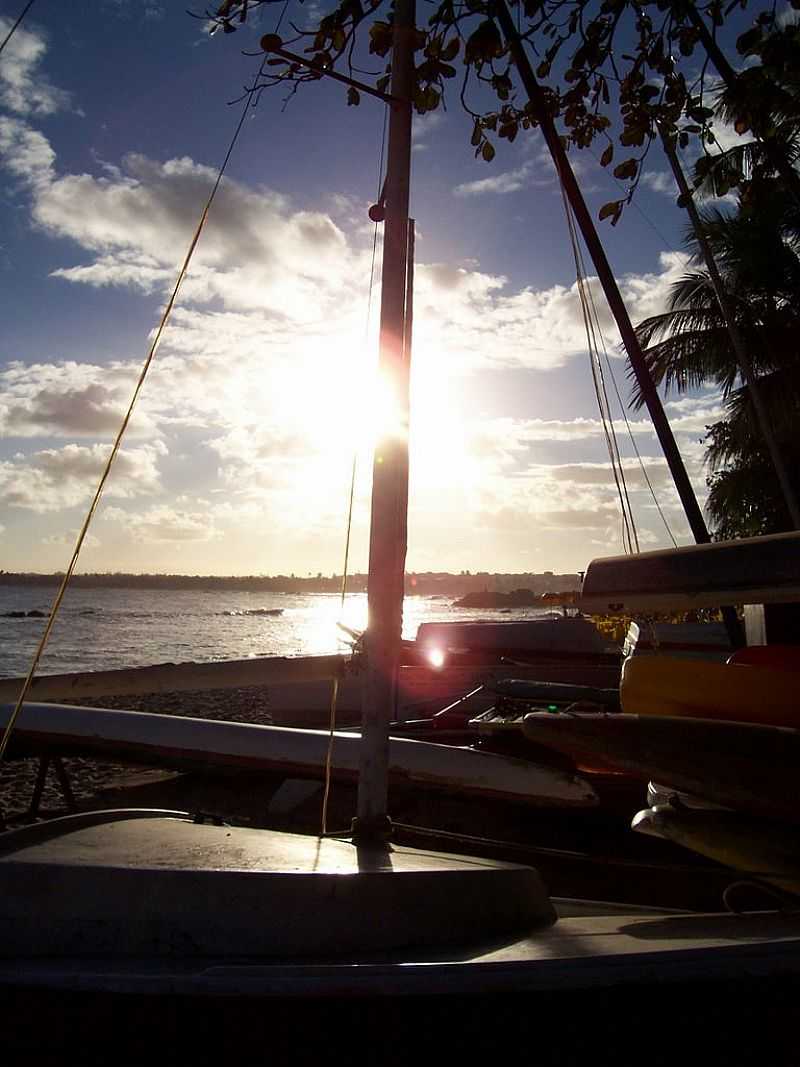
114 117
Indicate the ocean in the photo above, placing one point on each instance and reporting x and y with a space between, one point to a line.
104 629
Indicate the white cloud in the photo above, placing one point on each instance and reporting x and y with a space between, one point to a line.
601 474
509 181
52 479
534 431
25 152
256 253
299 277
24 89
660 181
691 415
149 11
262 380
423 126
68 399
69 538
163 523
647 294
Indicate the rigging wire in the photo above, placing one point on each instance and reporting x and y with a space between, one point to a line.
118 440
597 332
585 291
624 412
335 687
13 29
622 407
634 203
642 466
280 17
591 325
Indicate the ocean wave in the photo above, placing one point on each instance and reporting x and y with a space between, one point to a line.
253 611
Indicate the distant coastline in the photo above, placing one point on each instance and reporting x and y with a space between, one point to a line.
427 583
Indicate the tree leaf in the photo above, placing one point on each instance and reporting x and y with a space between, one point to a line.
747 40
626 170
611 210
353 97
450 50
487 152
607 156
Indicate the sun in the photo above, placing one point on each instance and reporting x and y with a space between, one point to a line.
342 403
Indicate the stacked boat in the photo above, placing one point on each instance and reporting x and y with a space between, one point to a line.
718 742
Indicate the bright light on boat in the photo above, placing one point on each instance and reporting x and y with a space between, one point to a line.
436 657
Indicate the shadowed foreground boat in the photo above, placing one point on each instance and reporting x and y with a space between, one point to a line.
239 974
739 765
761 849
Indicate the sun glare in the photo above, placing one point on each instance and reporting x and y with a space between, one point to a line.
336 406
346 404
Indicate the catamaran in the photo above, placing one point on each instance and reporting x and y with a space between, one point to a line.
100 911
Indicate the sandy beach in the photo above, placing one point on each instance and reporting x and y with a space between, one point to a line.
96 783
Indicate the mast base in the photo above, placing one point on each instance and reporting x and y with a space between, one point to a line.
371 831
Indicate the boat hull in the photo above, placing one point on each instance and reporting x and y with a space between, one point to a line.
297 691
715 1005
665 685
756 848
738 765
200 744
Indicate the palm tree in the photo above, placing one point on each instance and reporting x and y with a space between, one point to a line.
688 346
764 101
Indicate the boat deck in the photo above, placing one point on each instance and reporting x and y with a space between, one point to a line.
611 948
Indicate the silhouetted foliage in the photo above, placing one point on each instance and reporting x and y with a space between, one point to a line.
688 346
613 70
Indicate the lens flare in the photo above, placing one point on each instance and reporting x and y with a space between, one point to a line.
436 657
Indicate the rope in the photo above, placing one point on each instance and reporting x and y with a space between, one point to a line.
622 407
602 401
630 540
118 440
335 687
10 33
642 467
624 413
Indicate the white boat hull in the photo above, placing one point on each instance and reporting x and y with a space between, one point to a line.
183 742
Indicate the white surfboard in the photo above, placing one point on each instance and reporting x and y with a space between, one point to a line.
182 742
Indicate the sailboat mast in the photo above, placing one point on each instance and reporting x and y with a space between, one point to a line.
387 545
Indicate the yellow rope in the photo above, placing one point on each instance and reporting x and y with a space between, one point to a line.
117 442
335 688
16 25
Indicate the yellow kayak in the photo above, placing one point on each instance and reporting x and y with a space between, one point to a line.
759 848
662 685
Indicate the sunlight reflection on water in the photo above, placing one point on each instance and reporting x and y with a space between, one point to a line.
104 629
